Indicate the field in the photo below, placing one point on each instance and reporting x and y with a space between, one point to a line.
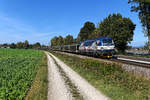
17 71
110 79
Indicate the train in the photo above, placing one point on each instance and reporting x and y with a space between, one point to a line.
103 47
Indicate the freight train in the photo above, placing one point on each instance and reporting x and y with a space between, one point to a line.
100 47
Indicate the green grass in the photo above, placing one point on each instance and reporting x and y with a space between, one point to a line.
110 79
17 71
39 88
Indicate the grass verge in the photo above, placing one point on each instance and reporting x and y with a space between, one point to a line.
38 90
110 79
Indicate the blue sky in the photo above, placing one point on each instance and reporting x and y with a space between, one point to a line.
40 20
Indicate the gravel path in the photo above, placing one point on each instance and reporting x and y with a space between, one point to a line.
58 90
56 87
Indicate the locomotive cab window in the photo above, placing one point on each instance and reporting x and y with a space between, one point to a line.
107 42
89 43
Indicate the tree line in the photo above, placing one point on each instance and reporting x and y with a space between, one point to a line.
68 40
120 28
23 45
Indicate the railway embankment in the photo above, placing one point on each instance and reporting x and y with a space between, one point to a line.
135 68
109 77
138 70
136 65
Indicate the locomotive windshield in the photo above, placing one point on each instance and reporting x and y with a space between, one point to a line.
107 42
89 43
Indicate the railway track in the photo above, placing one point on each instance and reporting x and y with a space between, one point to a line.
136 61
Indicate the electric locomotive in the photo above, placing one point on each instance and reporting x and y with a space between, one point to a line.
102 47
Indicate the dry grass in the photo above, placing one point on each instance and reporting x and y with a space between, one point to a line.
38 90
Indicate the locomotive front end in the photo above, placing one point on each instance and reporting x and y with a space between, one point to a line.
105 47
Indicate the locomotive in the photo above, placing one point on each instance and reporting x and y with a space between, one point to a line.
101 47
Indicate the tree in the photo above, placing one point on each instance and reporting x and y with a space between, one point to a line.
44 47
30 46
143 9
19 45
146 46
54 41
60 40
68 40
119 28
13 45
26 44
95 34
86 31
37 45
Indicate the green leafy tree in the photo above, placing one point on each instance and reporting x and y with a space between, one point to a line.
143 9
54 41
75 41
119 28
26 44
95 34
44 47
13 45
19 45
146 46
30 46
86 31
68 40
37 45
60 40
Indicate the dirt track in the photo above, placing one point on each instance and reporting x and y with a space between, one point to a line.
59 90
